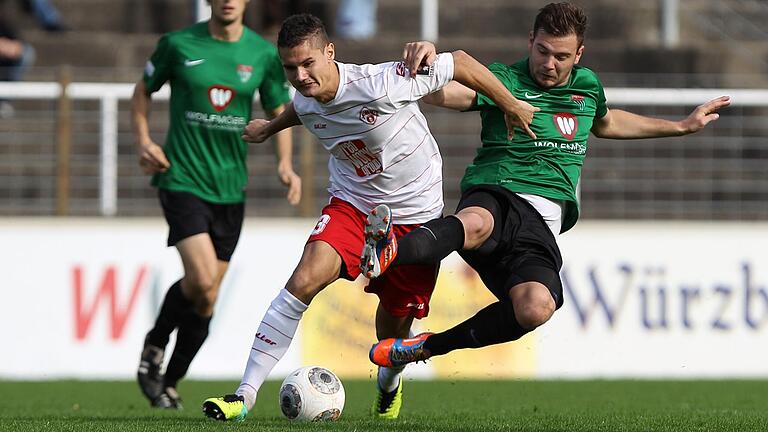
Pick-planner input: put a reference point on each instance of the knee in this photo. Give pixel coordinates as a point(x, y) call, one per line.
point(533, 304)
point(533, 314)
point(205, 302)
point(303, 286)
point(531, 318)
point(201, 289)
point(477, 228)
point(199, 283)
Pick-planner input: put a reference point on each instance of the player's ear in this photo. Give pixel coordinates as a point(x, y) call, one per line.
point(579, 52)
point(330, 51)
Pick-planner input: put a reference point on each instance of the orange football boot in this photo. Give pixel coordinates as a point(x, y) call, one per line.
point(399, 352)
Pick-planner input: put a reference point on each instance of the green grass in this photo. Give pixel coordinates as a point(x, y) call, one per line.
point(613, 406)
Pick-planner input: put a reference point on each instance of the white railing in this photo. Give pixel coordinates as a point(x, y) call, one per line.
point(430, 16)
point(108, 94)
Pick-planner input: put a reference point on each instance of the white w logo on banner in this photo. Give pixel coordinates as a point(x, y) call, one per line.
point(567, 124)
point(220, 97)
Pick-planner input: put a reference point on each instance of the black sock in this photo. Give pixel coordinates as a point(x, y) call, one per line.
point(494, 324)
point(193, 330)
point(431, 242)
point(175, 305)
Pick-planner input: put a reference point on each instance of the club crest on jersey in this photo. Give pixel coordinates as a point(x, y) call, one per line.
point(400, 69)
point(220, 97)
point(567, 124)
point(368, 115)
point(244, 72)
point(579, 100)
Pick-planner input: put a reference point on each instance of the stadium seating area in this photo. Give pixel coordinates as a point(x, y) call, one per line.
point(623, 37)
point(717, 174)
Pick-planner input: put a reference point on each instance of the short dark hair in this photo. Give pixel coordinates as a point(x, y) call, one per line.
point(561, 19)
point(299, 28)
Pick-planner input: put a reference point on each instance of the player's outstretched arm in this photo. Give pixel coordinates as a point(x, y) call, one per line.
point(619, 124)
point(453, 96)
point(151, 156)
point(473, 75)
point(284, 153)
point(258, 130)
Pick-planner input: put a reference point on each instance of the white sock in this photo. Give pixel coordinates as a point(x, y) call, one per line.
point(275, 333)
point(389, 378)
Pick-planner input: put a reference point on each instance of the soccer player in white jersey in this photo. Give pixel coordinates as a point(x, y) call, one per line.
point(367, 117)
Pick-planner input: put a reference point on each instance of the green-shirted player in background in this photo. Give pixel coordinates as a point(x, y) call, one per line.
point(214, 68)
point(518, 194)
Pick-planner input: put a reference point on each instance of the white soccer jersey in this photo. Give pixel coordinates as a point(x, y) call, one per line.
point(381, 148)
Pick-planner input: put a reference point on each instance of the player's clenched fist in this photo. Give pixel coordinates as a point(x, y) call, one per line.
point(256, 131)
point(152, 159)
point(419, 53)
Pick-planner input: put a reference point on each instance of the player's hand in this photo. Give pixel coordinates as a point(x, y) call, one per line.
point(290, 179)
point(152, 158)
point(256, 131)
point(705, 113)
point(420, 53)
point(521, 117)
point(11, 48)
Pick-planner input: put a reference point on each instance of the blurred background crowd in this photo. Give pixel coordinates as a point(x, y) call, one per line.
point(712, 44)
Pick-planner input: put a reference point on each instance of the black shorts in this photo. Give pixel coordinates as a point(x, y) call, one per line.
point(187, 215)
point(521, 247)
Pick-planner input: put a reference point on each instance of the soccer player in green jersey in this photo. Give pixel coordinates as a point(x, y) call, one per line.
point(518, 194)
point(214, 69)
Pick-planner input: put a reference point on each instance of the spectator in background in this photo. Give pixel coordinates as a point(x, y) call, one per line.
point(356, 19)
point(15, 57)
point(45, 13)
point(15, 54)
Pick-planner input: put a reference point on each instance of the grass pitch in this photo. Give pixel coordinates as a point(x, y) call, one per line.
point(613, 406)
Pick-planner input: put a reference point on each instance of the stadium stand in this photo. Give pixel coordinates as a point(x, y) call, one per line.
point(717, 174)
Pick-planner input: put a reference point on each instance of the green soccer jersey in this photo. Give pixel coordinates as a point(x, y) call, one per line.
point(550, 165)
point(212, 87)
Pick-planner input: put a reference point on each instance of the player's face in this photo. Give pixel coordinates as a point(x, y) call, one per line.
point(552, 58)
point(311, 69)
point(228, 11)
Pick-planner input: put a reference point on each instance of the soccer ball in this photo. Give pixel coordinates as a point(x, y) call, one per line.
point(312, 393)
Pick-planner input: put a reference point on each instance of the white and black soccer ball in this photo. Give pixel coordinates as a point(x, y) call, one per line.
point(312, 393)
